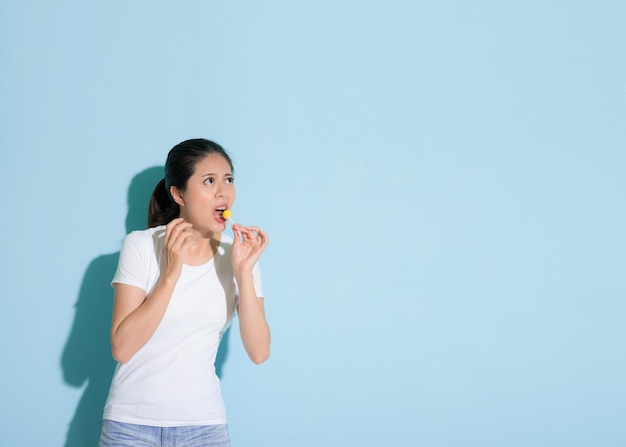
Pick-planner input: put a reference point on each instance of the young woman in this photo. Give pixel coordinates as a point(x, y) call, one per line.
point(177, 286)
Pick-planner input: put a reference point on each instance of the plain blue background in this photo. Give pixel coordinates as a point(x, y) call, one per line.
point(442, 182)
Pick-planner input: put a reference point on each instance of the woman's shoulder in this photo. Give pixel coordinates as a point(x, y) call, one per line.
point(226, 244)
point(145, 237)
point(226, 239)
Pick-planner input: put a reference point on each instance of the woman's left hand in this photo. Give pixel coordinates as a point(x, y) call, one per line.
point(248, 245)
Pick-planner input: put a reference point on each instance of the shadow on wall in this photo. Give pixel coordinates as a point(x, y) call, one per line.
point(87, 359)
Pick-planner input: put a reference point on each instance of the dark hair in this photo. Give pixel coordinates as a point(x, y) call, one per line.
point(180, 165)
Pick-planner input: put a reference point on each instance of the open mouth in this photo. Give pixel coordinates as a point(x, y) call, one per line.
point(219, 212)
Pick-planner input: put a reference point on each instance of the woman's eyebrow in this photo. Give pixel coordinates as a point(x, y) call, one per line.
point(228, 174)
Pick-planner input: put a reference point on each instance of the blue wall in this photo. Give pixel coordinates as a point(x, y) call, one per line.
point(442, 182)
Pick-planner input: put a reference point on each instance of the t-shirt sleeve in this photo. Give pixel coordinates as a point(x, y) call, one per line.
point(132, 268)
point(258, 282)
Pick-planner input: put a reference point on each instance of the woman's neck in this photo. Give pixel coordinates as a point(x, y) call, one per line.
point(203, 250)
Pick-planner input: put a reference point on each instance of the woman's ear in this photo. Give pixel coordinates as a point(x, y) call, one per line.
point(177, 195)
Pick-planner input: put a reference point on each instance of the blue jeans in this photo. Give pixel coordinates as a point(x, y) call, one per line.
point(120, 434)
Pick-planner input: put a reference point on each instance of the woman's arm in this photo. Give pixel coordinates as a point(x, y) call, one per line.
point(253, 327)
point(136, 316)
point(255, 332)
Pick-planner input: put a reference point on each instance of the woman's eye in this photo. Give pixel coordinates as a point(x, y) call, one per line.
point(230, 180)
point(209, 181)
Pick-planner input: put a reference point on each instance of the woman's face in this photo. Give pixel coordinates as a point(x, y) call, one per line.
point(210, 190)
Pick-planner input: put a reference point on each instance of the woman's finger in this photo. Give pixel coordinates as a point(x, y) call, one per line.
point(177, 230)
point(237, 235)
point(258, 235)
point(168, 229)
point(183, 240)
point(263, 236)
point(249, 232)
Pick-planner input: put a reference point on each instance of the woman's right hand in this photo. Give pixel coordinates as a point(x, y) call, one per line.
point(179, 237)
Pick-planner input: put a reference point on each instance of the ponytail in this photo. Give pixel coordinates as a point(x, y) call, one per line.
point(162, 209)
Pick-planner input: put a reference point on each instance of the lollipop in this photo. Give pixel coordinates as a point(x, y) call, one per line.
point(226, 214)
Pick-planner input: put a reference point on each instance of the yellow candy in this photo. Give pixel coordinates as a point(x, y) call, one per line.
point(226, 214)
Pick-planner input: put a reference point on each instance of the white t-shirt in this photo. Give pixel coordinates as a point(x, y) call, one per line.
point(171, 380)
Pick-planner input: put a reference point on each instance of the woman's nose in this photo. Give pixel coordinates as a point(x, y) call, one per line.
point(220, 191)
